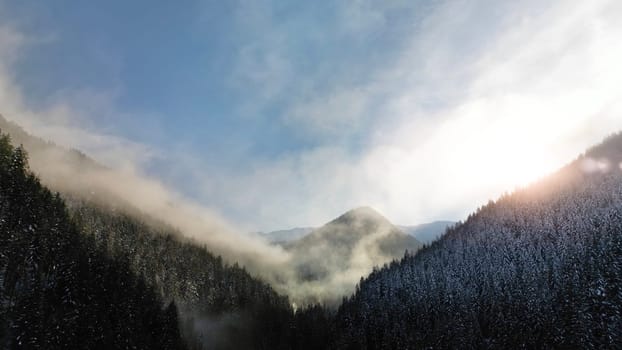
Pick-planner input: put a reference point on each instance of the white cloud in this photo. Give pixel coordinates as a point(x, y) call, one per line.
point(64, 123)
point(484, 97)
point(458, 123)
point(545, 89)
point(338, 113)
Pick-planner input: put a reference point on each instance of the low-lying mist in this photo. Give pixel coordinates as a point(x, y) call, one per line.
point(74, 174)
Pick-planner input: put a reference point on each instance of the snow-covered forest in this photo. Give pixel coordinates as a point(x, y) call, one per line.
point(76, 274)
point(539, 268)
point(58, 288)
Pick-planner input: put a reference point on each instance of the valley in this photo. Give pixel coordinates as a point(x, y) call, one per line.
point(535, 238)
point(310, 175)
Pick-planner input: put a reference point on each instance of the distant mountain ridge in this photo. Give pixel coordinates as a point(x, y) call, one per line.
point(283, 236)
point(425, 233)
point(428, 232)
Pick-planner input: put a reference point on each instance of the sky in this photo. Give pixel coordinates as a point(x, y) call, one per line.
point(277, 114)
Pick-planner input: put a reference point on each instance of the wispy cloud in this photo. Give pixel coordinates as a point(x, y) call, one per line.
point(123, 177)
point(482, 98)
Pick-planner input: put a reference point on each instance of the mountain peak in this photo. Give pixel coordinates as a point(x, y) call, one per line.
point(361, 214)
point(349, 245)
point(363, 210)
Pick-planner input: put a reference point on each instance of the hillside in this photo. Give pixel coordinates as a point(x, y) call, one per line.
point(205, 288)
point(60, 290)
point(540, 268)
point(348, 247)
point(358, 226)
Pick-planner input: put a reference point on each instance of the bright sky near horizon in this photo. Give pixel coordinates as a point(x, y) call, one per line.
point(278, 114)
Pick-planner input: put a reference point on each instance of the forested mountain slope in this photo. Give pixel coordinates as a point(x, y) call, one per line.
point(339, 253)
point(221, 306)
point(359, 231)
point(58, 289)
point(540, 268)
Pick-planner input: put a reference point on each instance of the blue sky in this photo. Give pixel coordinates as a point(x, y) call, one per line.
point(209, 73)
point(278, 114)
